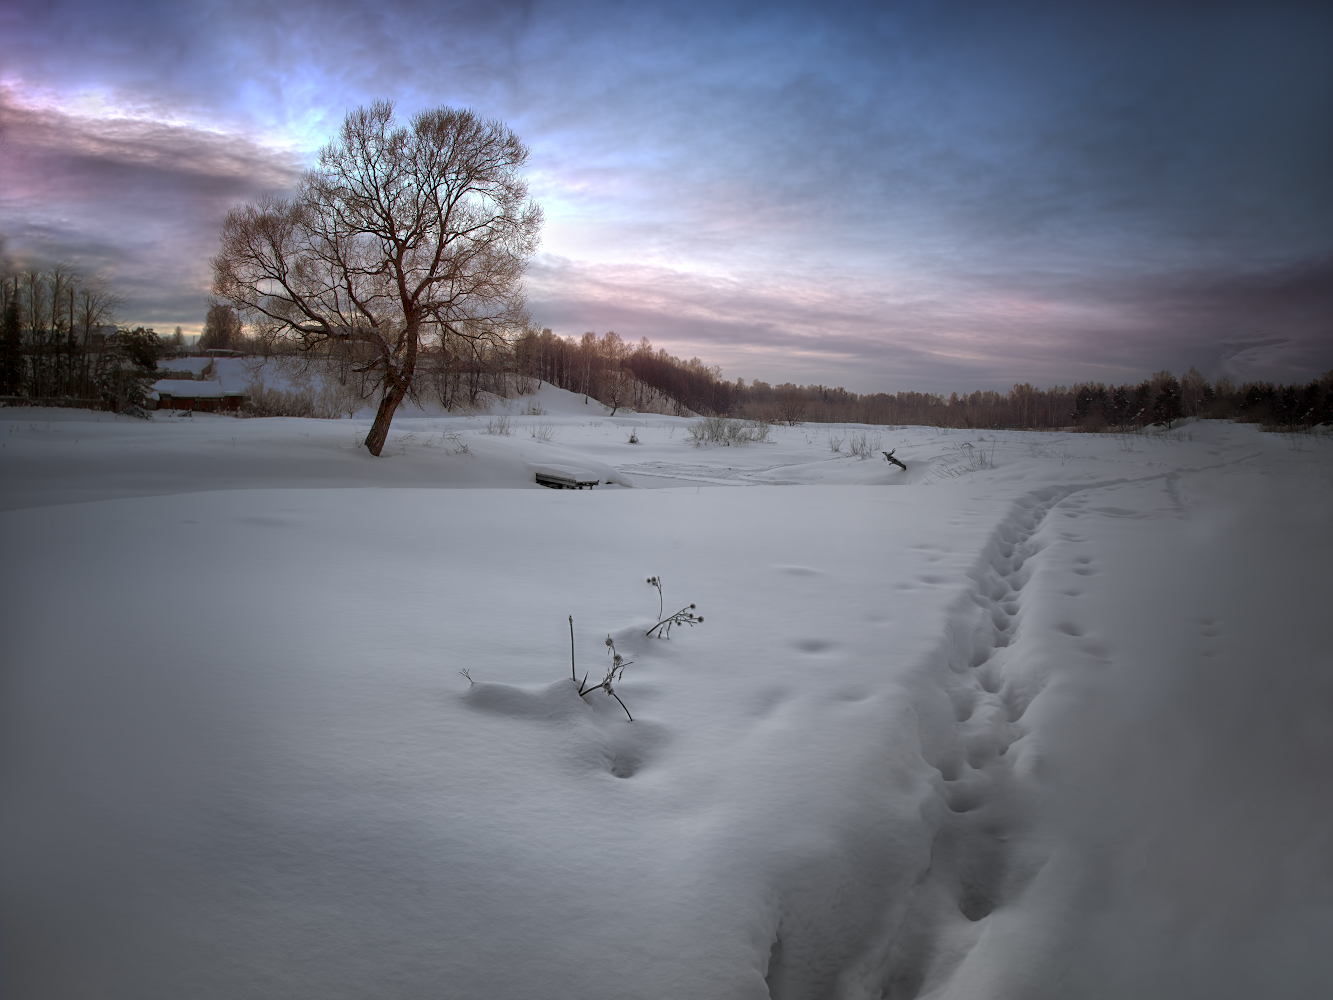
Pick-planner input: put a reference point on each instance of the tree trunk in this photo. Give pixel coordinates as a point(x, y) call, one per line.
point(379, 430)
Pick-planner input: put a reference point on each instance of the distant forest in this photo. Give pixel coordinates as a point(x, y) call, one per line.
point(59, 347)
point(601, 367)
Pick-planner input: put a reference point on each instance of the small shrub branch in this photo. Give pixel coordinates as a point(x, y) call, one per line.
point(617, 672)
point(685, 616)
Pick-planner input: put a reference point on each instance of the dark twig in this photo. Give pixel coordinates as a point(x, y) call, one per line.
point(617, 672)
point(685, 616)
point(622, 704)
point(889, 456)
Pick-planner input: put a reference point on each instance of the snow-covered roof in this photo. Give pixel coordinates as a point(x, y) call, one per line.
point(190, 389)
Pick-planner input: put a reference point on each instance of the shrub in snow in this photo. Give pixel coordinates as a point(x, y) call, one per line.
point(617, 671)
point(633, 437)
point(723, 431)
point(262, 401)
point(862, 446)
point(966, 458)
point(500, 425)
point(685, 616)
point(451, 443)
point(308, 387)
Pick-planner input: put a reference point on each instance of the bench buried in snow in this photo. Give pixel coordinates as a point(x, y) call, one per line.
point(564, 477)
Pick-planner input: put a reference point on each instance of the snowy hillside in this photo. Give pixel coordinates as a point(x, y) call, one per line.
point(1043, 716)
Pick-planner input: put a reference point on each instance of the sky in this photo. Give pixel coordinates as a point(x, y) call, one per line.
point(930, 196)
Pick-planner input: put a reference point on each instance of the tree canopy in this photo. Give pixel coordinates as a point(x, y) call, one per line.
point(399, 234)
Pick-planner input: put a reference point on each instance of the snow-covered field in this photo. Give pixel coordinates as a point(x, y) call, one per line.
point(1044, 716)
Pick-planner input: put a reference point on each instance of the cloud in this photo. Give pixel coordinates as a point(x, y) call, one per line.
point(136, 199)
point(1272, 323)
point(978, 331)
point(932, 195)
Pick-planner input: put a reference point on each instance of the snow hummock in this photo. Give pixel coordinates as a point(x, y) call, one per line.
point(1055, 724)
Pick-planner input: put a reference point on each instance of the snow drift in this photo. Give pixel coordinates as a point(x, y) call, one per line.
point(1058, 727)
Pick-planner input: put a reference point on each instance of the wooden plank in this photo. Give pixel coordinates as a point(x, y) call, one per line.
point(558, 481)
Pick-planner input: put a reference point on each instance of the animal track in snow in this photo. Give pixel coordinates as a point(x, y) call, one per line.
point(1209, 629)
point(983, 812)
point(814, 645)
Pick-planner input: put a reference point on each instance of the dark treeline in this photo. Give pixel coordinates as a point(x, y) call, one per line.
point(608, 369)
point(53, 329)
point(455, 370)
point(57, 341)
point(59, 344)
point(1160, 400)
point(617, 373)
point(1164, 398)
point(459, 371)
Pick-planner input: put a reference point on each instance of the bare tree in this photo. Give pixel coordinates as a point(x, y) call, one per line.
point(617, 388)
point(95, 308)
point(791, 403)
point(1194, 392)
point(398, 235)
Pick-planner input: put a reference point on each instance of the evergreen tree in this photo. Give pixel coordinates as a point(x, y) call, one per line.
point(11, 350)
point(1165, 389)
point(125, 368)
